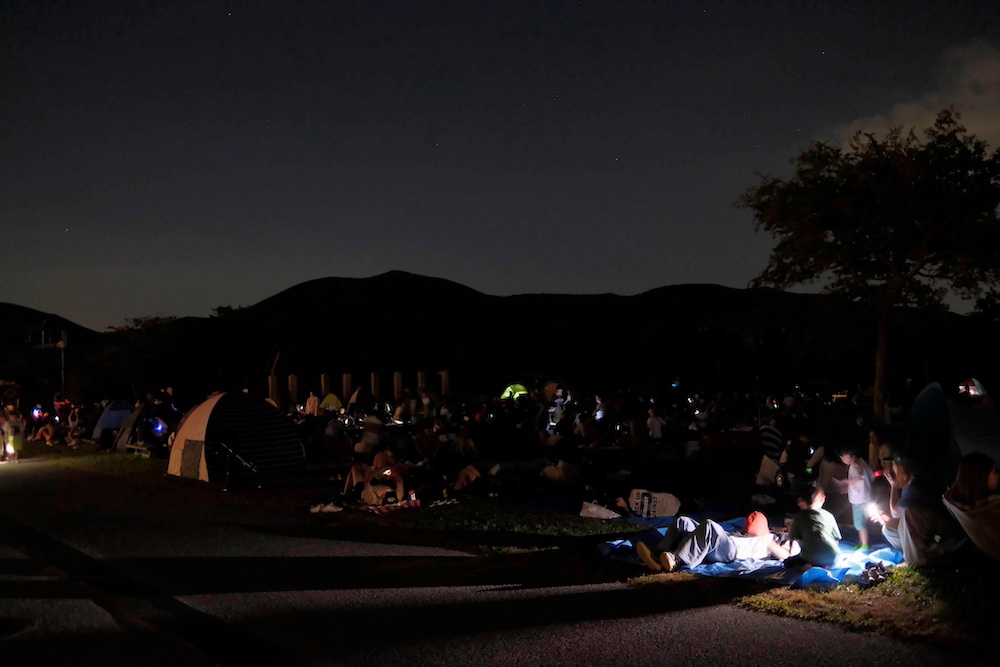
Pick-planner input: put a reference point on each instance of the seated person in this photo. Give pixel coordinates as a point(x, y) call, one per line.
point(560, 472)
point(47, 433)
point(372, 435)
point(926, 530)
point(974, 502)
point(890, 524)
point(815, 530)
point(689, 543)
point(428, 443)
point(457, 460)
point(383, 472)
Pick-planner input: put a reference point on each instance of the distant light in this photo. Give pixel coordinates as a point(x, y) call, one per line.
point(159, 426)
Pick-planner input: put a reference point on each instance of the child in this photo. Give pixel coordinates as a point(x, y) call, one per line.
point(815, 530)
point(12, 440)
point(859, 492)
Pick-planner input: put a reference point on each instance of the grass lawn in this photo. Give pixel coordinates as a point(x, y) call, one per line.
point(953, 603)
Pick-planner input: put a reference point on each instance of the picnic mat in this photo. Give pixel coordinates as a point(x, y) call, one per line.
point(850, 563)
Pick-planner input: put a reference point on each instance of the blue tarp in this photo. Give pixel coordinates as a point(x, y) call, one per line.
point(850, 563)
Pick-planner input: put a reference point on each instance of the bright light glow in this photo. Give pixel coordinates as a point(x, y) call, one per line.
point(159, 426)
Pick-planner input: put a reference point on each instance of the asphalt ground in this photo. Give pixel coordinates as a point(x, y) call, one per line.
point(103, 571)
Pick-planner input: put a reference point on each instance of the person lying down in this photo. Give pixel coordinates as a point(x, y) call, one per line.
point(689, 543)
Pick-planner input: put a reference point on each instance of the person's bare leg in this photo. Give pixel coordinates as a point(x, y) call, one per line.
point(360, 472)
point(466, 476)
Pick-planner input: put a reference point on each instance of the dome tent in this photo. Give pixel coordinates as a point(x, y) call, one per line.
point(331, 403)
point(113, 416)
point(237, 430)
point(127, 436)
point(513, 392)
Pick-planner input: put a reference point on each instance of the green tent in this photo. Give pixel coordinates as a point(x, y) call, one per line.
point(513, 392)
point(331, 403)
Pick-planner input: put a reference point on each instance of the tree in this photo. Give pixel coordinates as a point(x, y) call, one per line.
point(890, 222)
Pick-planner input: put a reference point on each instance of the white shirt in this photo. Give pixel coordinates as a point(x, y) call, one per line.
point(751, 546)
point(859, 483)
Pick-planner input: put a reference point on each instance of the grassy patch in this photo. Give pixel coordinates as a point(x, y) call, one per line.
point(503, 527)
point(491, 515)
point(89, 458)
point(909, 605)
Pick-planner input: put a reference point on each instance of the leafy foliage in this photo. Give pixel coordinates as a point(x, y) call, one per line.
point(891, 221)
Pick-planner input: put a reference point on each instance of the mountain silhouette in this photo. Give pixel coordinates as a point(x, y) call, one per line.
point(401, 322)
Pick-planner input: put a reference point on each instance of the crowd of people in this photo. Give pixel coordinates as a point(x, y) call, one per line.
point(813, 466)
point(900, 496)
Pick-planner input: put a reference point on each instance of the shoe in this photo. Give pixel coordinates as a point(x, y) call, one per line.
point(862, 547)
point(646, 556)
point(331, 507)
point(668, 561)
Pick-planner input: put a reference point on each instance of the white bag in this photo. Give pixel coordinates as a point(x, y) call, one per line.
point(595, 511)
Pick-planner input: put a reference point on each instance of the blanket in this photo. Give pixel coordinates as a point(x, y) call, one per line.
point(849, 563)
point(384, 509)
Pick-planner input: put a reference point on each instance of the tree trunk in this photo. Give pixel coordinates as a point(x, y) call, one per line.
point(881, 346)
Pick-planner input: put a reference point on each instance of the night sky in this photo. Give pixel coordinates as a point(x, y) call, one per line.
point(162, 158)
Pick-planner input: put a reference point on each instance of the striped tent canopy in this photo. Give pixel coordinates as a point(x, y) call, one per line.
point(239, 430)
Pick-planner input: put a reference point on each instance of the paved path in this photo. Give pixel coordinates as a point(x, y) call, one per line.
point(96, 571)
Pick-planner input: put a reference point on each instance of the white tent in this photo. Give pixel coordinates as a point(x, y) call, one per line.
point(243, 432)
